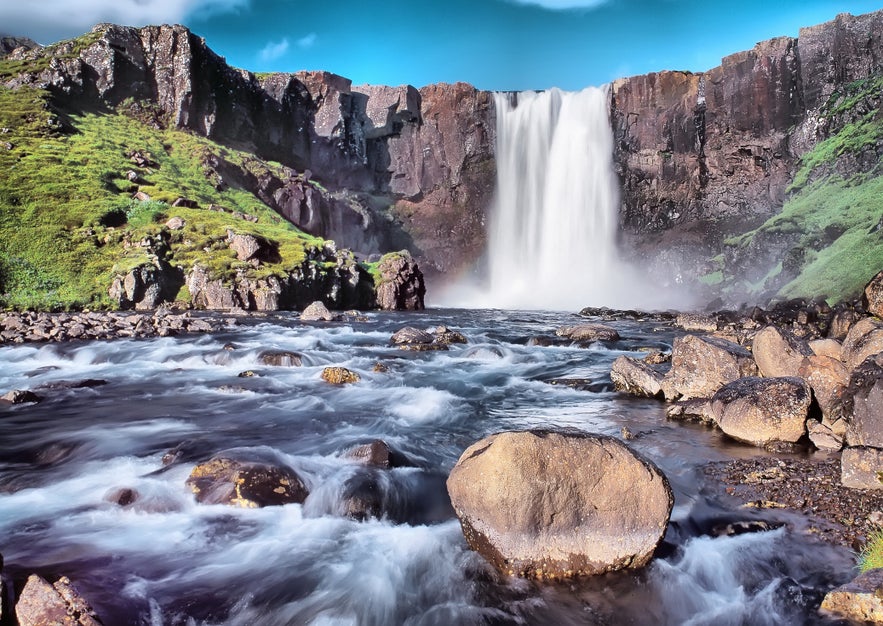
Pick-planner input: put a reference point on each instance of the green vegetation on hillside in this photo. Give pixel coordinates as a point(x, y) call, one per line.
point(68, 220)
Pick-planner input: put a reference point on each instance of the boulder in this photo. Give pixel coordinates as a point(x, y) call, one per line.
point(279, 358)
point(865, 338)
point(362, 497)
point(21, 396)
point(828, 378)
point(409, 336)
point(872, 298)
point(374, 454)
point(696, 322)
point(763, 411)
point(316, 312)
point(702, 365)
point(823, 436)
point(42, 604)
point(863, 404)
point(588, 332)
point(636, 377)
point(445, 336)
point(862, 468)
point(340, 376)
point(827, 347)
point(695, 410)
point(777, 353)
point(246, 480)
point(401, 286)
point(841, 322)
point(859, 601)
point(246, 246)
point(175, 223)
point(559, 504)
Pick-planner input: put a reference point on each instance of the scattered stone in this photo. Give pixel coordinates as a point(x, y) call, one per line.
point(21, 396)
point(823, 436)
point(339, 376)
point(864, 339)
point(702, 365)
point(761, 411)
point(374, 454)
point(588, 332)
point(175, 223)
point(695, 410)
point(636, 377)
point(777, 353)
point(123, 496)
point(827, 347)
point(317, 312)
point(410, 335)
point(655, 357)
point(247, 374)
point(860, 600)
point(553, 505)
point(862, 468)
point(380, 368)
point(245, 482)
point(446, 336)
point(42, 604)
point(277, 358)
point(141, 196)
point(697, 322)
point(872, 297)
point(185, 203)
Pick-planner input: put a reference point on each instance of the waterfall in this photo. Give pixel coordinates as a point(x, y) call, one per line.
point(553, 229)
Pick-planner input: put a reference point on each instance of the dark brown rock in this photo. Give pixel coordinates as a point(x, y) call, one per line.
point(401, 285)
point(763, 411)
point(277, 358)
point(446, 336)
point(21, 396)
point(362, 497)
point(588, 332)
point(42, 604)
point(410, 335)
point(553, 505)
point(374, 454)
point(245, 481)
point(695, 410)
point(123, 496)
point(702, 365)
point(859, 601)
point(636, 377)
point(863, 404)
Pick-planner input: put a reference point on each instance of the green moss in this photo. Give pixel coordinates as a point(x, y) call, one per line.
point(871, 556)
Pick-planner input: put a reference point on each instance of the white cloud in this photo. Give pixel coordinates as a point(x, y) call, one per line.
point(51, 20)
point(274, 50)
point(561, 5)
point(307, 41)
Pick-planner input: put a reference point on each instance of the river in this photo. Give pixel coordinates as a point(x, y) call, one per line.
point(166, 560)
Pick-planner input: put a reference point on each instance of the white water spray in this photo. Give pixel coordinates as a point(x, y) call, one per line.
point(552, 237)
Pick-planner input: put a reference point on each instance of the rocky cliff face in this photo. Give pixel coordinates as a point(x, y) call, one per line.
point(403, 167)
point(725, 143)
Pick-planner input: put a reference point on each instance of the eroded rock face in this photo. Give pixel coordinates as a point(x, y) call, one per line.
point(544, 504)
point(401, 285)
point(761, 411)
point(702, 365)
point(246, 480)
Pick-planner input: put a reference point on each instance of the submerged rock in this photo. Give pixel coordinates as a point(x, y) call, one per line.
point(277, 358)
point(763, 411)
point(588, 332)
point(551, 505)
point(410, 335)
point(860, 600)
point(42, 604)
point(245, 481)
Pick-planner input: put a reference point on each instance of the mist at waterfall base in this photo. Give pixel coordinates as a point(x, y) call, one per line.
point(166, 560)
point(552, 236)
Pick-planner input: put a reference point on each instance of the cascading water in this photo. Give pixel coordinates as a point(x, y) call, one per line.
point(553, 231)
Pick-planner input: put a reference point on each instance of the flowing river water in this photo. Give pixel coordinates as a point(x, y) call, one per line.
point(167, 560)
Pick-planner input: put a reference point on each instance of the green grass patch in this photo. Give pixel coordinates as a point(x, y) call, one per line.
point(871, 556)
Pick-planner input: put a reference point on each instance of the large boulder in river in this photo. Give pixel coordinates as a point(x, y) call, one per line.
point(863, 404)
point(858, 601)
point(636, 377)
point(702, 365)
point(42, 604)
point(762, 411)
point(864, 339)
point(401, 286)
point(316, 312)
point(777, 353)
point(559, 504)
point(588, 332)
point(872, 297)
point(246, 479)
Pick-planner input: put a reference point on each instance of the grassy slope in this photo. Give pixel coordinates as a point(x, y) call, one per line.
point(61, 194)
point(824, 205)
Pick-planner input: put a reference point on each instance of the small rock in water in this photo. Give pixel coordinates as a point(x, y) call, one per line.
point(21, 396)
point(380, 368)
point(247, 374)
point(410, 335)
point(123, 496)
point(626, 433)
point(339, 376)
point(317, 312)
point(588, 332)
point(245, 482)
point(375, 454)
point(280, 359)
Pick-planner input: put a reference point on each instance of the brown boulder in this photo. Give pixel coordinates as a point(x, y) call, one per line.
point(872, 297)
point(828, 378)
point(702, 365)
point(410, 336)
point(841, 322)
point(21, 396)
point(823, 436)
point(316, 312)
point(42, 604)
point(862, 468)
point(277, 358)
point(588, 332)
point(863, 404)
point(695, 410)
point(551, 505)
point(373, 454)
point(762, 411)
point(636, 377)
point(865, 338)
point(696, 322)
point(860, 600)
point(827, 347)
point(339, 376)
point(246, 481)
point(777, 353)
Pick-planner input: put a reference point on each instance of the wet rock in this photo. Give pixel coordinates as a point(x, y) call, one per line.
point(655, 357)
point(579, 384)
point(42, 604)
point(340, 376)
point(777, 353)
point(872, 297)
point(743, 527)
point(864, 339)
point(362, 497)
point(761, 411)
point(702, 365)
point(695, 410)
point(316, 312)
point(697, 322)
point(823, 436)
point(860, 600)
point(124, 496)
point(247, 374)
point(588, 332)
point(636, 377)
point(863, 404)
point(374, 454)
point(861, 467)
point(86, 383)
point(380, 368)
point(446, 336)
point(276, 358)
point(401, 285)
point(21, 396)
point(551, 505)
point(246, 481)
point(411, 336)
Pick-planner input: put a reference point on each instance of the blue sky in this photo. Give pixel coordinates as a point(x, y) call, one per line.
point(493, 44)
